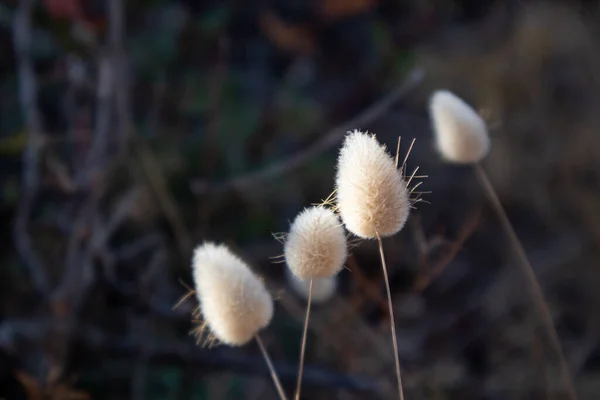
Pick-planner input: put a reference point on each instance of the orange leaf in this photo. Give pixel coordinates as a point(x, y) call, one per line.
point(332, 10)
point(31, 386)
point(294, 39)
point(51, 391)
point(68, 9)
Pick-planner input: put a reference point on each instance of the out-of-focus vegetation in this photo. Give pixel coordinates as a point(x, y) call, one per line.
point(129, 131)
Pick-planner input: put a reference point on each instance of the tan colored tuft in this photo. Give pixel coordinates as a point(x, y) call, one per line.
point(233, 301)
point(461, 134)
point(323, 288)
point(315, 247)
point(371, 194)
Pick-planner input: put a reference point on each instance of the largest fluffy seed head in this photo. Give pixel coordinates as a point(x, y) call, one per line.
point(234, 302)
point(371, 194)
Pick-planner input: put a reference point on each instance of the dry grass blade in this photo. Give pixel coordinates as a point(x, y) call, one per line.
point(527, 269)
point(274, 376)
point(392, 321)
point(303, 346)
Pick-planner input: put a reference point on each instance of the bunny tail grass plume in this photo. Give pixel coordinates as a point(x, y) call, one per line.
point(323, 288)
point(373, 202)
point(372, 197)
point(462, 138)
point(461, 134)
point(315, 248)
point(233, 300)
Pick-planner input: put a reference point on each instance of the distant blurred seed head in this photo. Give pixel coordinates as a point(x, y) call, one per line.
point(461, 134)
point(316, 246)
point(371, 194)
point(323, 288)
point(234, 302)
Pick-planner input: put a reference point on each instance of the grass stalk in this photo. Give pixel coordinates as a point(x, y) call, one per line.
point(392, 321)
point(303, 345)
point(274, 376)
point(527, 270)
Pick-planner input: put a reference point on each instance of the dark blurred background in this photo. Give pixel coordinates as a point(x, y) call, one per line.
point(132, 130)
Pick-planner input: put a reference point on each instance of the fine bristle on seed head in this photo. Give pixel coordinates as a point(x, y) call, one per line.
point(233, 301)
point(316, 246)
point(372, 197)
point(460, 132)
point(323, 289)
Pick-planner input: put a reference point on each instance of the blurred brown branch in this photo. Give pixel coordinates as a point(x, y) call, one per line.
point(30, 180)
point(329, 140)
point(426, 277)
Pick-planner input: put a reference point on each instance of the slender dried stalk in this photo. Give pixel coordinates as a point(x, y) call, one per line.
point(303, 346)
point(392, 321)
point(276, 381)
point(527, 269)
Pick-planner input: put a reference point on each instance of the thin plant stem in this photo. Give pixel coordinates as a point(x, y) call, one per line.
point(392, 321)
point(303, 346)
point(276, 381)
point(527, 269)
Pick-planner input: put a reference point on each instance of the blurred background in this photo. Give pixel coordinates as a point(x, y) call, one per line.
point(131, 131)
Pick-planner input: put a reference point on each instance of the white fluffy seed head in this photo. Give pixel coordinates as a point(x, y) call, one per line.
point(234, 302)
point(316, 246)
point(323, 288)
point(460, 132)
point(371, 194)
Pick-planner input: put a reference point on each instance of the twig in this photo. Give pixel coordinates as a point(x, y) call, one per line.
point(303, 345)
point(527, 269)
point(121, 211)
point(104, 97)
point(121, 94)
point(392, 320)
point(466, 231)
point(72, 275)
point(329, 140)
point(165, 199)
point(133, 249)
point(30, 178)
point(146, 159)
point(76, 274)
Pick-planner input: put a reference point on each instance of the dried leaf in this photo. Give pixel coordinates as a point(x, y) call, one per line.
point(332, 10)
point(52, 391)
point(69, 9)
point(31, 386)
point(292, 38)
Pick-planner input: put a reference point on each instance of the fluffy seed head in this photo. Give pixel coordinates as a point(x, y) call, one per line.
point(234, 302)
point(323, 288)
point(371, 194)
point(461, 134)
point(315, 247)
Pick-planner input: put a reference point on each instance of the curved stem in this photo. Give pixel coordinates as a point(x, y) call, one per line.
point(276, 381)
point(527, 269)
point(392, 321)
point(303, 346)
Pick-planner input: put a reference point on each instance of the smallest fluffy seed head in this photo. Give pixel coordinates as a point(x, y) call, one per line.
point(461, 134)
point(234, 302)
point(315, 247)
